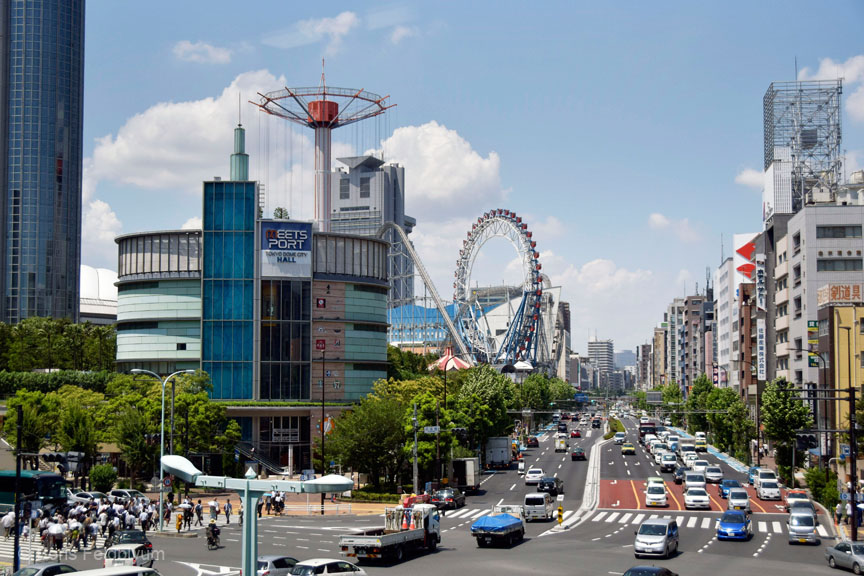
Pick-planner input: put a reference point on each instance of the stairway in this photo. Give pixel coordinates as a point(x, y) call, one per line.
point(245, 448)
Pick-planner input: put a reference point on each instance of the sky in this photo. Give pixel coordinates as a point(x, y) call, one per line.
point(628, 135)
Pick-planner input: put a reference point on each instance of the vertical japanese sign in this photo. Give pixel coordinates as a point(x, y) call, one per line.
point(813, 343)
point(761, 284)
point(761, 360)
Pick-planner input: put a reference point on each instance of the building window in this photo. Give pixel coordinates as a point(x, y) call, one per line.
point(365, 187)
point(838, 265)
point(344, 189)
point(797, 307)
point(181, 346)
point(838, 231)
point(796, 275)
point(796, 243)
point(798, 348)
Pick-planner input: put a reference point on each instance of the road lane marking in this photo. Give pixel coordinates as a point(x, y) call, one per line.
point(626, 517)
point(776, 527)
point(612, 516)
point(499, 502)
point(599, 516)
point(567, 514)
point(752, 501)
point(513, 486)
point(456, 514)
point(635, 494)
point(763, 526)
point(706, 522)
point(822, 532)
point(677, 503)
point(303, 547)
point(691, 522)
point(628, 472)
point(715, 502)
point(555, 475)
point(638, 519)
point(559, 466)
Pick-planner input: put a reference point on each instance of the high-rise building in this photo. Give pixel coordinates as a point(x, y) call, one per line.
point(602, 355)
point(658, 359)
point(643, 366)
point(41, 109)
point(724, 311)
point(365, 196)
point(674, 318)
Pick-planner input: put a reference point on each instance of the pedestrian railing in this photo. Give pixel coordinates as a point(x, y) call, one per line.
point(316, 508)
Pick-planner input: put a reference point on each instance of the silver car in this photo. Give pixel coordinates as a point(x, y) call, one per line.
point(738, 499)
point(802, 528)
point(847, 555)
point(275, 565)
point(656, 537)
point(714, 474)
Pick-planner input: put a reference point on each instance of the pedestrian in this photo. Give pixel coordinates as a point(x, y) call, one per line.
point(838, 513)
point(227, 508)
point(260, 507)
point(214, 509)
point(7, 522)
point(268, 504)
point(848, 511)
point(240, 512)
point(199, 514)
point(179, 521)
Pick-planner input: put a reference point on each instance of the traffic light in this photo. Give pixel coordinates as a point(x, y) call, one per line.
point(806, 441)
point(75, 460)
point(58, 458)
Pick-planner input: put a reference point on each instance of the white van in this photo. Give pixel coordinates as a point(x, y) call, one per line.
point(120, 571)
point(539, 505)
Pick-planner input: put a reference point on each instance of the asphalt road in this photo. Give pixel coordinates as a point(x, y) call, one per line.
point(598, 543)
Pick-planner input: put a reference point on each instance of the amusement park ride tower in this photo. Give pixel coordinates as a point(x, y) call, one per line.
point(323, 109)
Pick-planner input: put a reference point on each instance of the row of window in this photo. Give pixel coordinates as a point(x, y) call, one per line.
point(345, 188)
point(160, 253)
point(853, 231)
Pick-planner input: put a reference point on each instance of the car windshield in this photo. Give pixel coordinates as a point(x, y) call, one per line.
point(733, 517)
point(858, 549)
point(670, 457)
point(802, 504)
point(770, 485)
point(730, 483)
point(691, 478)
point(656, 489)
point(28, 571)
point(714, 470)
point(767, 475)
point(535, 501)
point(696, 492)
point(303, 571)
point(642, 571)
point(801, 520)
point(738, 494)
point(652, 529)
point(535, 472)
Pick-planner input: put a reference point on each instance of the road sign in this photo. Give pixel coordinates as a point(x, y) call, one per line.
point(431, 429)
point(320, 344)
point(844, 450)
point(167, 482)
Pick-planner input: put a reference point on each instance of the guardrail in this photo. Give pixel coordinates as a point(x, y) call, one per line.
point(316, 508)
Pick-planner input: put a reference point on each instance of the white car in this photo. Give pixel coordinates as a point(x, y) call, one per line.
point(768, 490)
point(762, 475)
point(658, 454)
point(696, 497)
point(620, 437)
point(128, 555)
point(714, 474)
point(325, 566)
point(694, 480)
point(533, 476)
point(668, 462)
point(667, 422)
point(689, 458)
point(700, 466)
point(738, 499)
point(655, 495)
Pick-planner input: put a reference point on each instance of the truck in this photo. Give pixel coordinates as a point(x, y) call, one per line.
point(465, 473)
point(505, 525)
point(498, 452)
point(560, 444)
point(408, 527)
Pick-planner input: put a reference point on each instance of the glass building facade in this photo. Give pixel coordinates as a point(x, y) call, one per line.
point(41, 109)
point(228, 288)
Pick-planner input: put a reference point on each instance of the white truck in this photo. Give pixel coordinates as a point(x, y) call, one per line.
point(405, 529)
point(505, 525)
point(465, 474)
point(498, 452)
point(560, 444)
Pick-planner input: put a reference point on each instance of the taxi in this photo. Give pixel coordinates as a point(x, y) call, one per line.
point(628, 448)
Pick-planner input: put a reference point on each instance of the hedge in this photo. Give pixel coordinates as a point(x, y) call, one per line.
point(11, 382)
point(363, 496)
point(614, 426)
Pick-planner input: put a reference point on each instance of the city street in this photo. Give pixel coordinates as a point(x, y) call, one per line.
point(601, 541)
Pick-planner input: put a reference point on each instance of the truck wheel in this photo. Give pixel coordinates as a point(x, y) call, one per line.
point(433, 544)
point(521, 535)
point(481, 543)
point(399, 554)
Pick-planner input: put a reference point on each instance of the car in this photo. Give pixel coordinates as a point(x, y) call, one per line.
point(714, 474)
point(694, 480)
point(275, 565)
point(596, 423)
point(655, 480)
point(700, 445)
point(533, 442)
point(804, 507)
point(689, 458)
point(128, 555)
point(577, 453)
point(668, 462)
point(658, 455)
point(649, 571)
point(696, 498)
point(656, 537)
point(132, 537)
point(448, 499)
point(575, 434)
point(628, 448)
point(751, 474)
point(124, 496)
point(655, 495)
point(533, 476)
point(738, 499)
point(700, 466)
point(679, 473)
point(801, 529)
point(734, 526)
point(795, 495)
point(86, 497)
point(46, 568)
point(762, 475)
point(725, 485)
point(552, 485)
point(768, 490)
point(620, 437)
point(324, 566)
point(849, 555)
point(701, 435)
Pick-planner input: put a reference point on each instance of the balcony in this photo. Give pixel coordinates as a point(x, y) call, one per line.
point(781, 323)
point(781, 296)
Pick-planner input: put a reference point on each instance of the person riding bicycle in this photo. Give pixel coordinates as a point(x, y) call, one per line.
point(212, 532)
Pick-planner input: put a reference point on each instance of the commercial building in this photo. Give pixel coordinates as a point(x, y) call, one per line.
point(41, 108)
point(98, 304)
point(658, 356)
point(602, 356)
point(725, 310)
point(674, 319)
point(644, 356)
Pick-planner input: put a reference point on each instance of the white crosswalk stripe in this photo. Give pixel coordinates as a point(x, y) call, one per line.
point(567, 514)
point(612, 517)
point(478, 513)
point(598, 517)
point(776, 527)
point(458, 513)
point(638, 518)
point(821, 531)
point(691, 522)
point(763, 526)
point(626, 517)
point(7, 549)
point(706, 522)
point(680, 520)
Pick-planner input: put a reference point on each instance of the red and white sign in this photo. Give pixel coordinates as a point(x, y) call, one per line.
point(320, 344)
point(839, 294)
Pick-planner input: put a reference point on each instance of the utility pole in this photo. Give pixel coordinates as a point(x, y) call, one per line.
point(437, 443)
point(16, 561)
point(414, 421)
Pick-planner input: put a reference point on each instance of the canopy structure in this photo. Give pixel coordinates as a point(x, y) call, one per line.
point(449, 361)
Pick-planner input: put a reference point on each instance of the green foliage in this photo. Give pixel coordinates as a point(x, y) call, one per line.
point(729, 422)
point(697, 404)
point(672, 399)
point(11, 382)
point(77, 431)
point(481, 406)
point(426, 447)
point(40, 413)
point(225, 443)
point(640, 399)
point(369, 496)
point(103, 477)
point(406, 365)
point(614, 426)
point(131, 426)
point(281, 213)
point(42, 343)
point(783, 412)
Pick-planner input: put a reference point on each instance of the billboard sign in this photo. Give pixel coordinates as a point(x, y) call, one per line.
point(744, 246)
point(761, 286)
point(831, 294)
point(761, 359)
point(813, 343)
point(286, 249)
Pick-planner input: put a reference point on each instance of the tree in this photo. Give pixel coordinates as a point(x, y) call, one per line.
point(132, 426)
point(783, 413)
point(731, 426)
point(482, 402)
point(103, 477)
point(697, 404)
point(225, 442)
point(641, 400)
point(77, 433)
point(427, 407)
point(406, 365)
point(672, 402)
point(281, 214)
point(40, 412)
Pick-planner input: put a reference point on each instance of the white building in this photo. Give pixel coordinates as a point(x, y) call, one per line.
point(725, 310)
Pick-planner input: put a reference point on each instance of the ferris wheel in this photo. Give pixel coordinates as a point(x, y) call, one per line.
point(520, 340)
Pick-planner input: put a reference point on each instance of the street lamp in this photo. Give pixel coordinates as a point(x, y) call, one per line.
point(162, 428)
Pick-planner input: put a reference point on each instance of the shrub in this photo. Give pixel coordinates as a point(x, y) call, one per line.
point(614, 426)
point(103, 477)
point(822, 488)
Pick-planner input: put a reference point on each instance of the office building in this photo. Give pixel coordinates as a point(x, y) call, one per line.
point(602, 356)
point(41, 108)
point(658, 357)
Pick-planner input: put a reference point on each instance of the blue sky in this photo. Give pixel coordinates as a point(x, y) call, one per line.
point(625, 133)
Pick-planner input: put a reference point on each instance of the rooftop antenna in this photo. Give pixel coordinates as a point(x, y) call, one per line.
point(796, 68)
point(239, 110)
point(722, 249)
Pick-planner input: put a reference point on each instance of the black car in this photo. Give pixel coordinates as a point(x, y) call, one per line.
point(132, 537)
point(552, 485)
point(679, 473)
point(533, 442)
point(649, 571)
point(577, 454)
point(596, 423)
point(448, 499)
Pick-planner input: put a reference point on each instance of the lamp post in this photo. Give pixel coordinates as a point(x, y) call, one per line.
point(853, 448)
point(162, 429)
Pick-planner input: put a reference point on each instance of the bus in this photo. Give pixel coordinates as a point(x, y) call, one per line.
point(646, 428)
point(40, 488)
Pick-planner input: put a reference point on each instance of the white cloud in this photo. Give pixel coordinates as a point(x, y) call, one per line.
point(750, 178)
point(101, 226)
point(313, 31)
point(201, 52)
point(684, 279)
point(194, 223)
point(852, 72)
point(446, 173)
point(681, 228)
point(401, 32)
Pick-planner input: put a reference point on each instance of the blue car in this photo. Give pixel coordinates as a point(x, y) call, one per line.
point(734, 525)
point(727, 485)
point(751, 473)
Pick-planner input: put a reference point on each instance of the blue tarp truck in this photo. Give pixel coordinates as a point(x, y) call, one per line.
point(506, 525)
